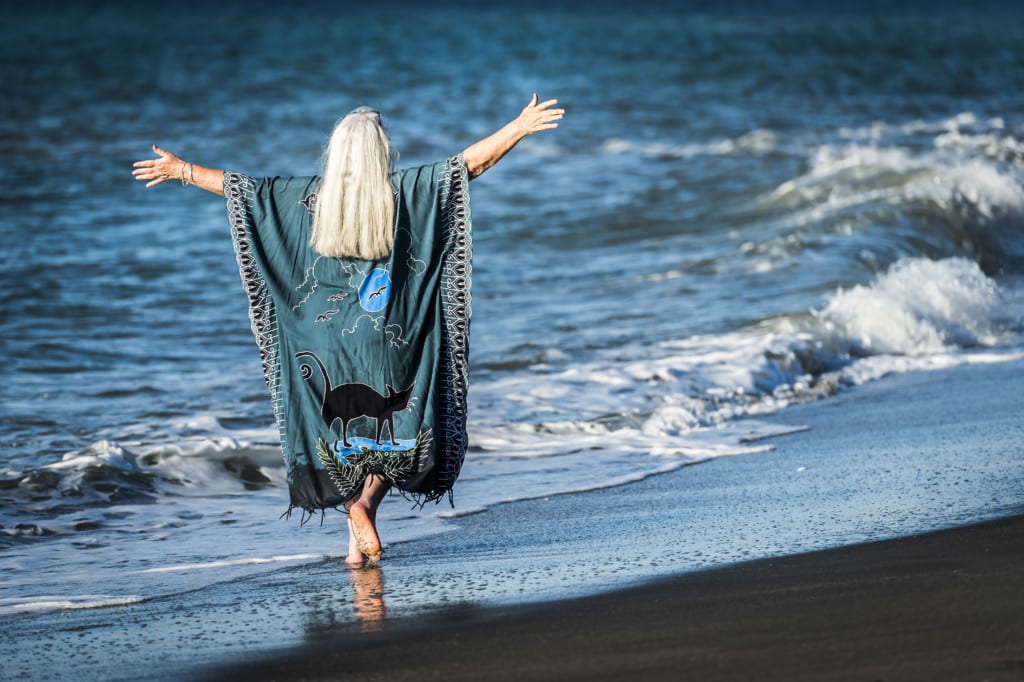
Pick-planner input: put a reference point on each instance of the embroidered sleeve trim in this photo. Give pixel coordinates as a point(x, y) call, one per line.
point(456, 303)
point(238, 192)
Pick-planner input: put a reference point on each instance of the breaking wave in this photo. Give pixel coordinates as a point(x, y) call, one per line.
point(920, 314)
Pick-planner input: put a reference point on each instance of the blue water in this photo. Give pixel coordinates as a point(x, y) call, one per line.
point(742, 210)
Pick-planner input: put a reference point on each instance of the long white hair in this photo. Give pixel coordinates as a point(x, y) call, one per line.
point(355, 206)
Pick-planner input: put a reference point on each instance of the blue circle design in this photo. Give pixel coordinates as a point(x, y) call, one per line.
point(375, 291)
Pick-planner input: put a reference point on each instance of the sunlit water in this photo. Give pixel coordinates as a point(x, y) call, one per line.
point(741, 211)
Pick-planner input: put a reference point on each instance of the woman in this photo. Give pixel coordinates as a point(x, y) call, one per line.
point(359, 296)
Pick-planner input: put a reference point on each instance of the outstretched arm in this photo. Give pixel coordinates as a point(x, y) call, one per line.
point(169, 167)
point(488, 151)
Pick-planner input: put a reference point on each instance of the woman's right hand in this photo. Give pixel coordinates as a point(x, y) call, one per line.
point(166, 167)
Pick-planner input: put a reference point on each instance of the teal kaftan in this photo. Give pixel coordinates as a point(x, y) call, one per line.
point(365, 361)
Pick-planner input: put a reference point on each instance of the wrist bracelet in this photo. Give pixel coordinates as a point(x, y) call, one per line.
point(181, 174)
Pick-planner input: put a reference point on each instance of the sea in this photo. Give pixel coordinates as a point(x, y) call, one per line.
point(747, 206)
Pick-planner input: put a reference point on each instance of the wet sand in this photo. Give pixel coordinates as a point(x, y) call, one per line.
point(943, 606)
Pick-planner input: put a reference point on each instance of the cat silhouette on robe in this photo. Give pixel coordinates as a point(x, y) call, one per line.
point(351, 401)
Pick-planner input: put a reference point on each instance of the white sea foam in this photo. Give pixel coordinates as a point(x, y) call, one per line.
point(100, 453)
point(36, 604)
point(992, 193)
point(225, 563)
point(209, 465)
point(881, 130)
point(754, 142)
point(918, 307)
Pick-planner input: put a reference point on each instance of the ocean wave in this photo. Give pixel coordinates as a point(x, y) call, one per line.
point(917, 307)
point(920, 314)
point(965, 125)
point(108, 474)
point(841, 176)
point(941, 189)
point(689, 400)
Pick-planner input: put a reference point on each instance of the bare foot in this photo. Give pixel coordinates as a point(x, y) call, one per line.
point(355, 558)
point(363, 530)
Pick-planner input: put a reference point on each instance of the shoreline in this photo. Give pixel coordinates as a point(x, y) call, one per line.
point(897, 458)
point(861, 548)
point(943, 605)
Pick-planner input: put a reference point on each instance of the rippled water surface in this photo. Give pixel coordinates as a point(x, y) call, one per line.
point(741, 210)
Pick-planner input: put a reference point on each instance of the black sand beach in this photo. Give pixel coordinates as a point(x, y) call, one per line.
point(942, 606)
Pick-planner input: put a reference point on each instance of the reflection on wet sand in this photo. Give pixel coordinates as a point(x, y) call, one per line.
point(368, 597)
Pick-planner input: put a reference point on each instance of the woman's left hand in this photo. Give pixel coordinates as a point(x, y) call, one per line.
point(537, 117)
point(166, 167)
